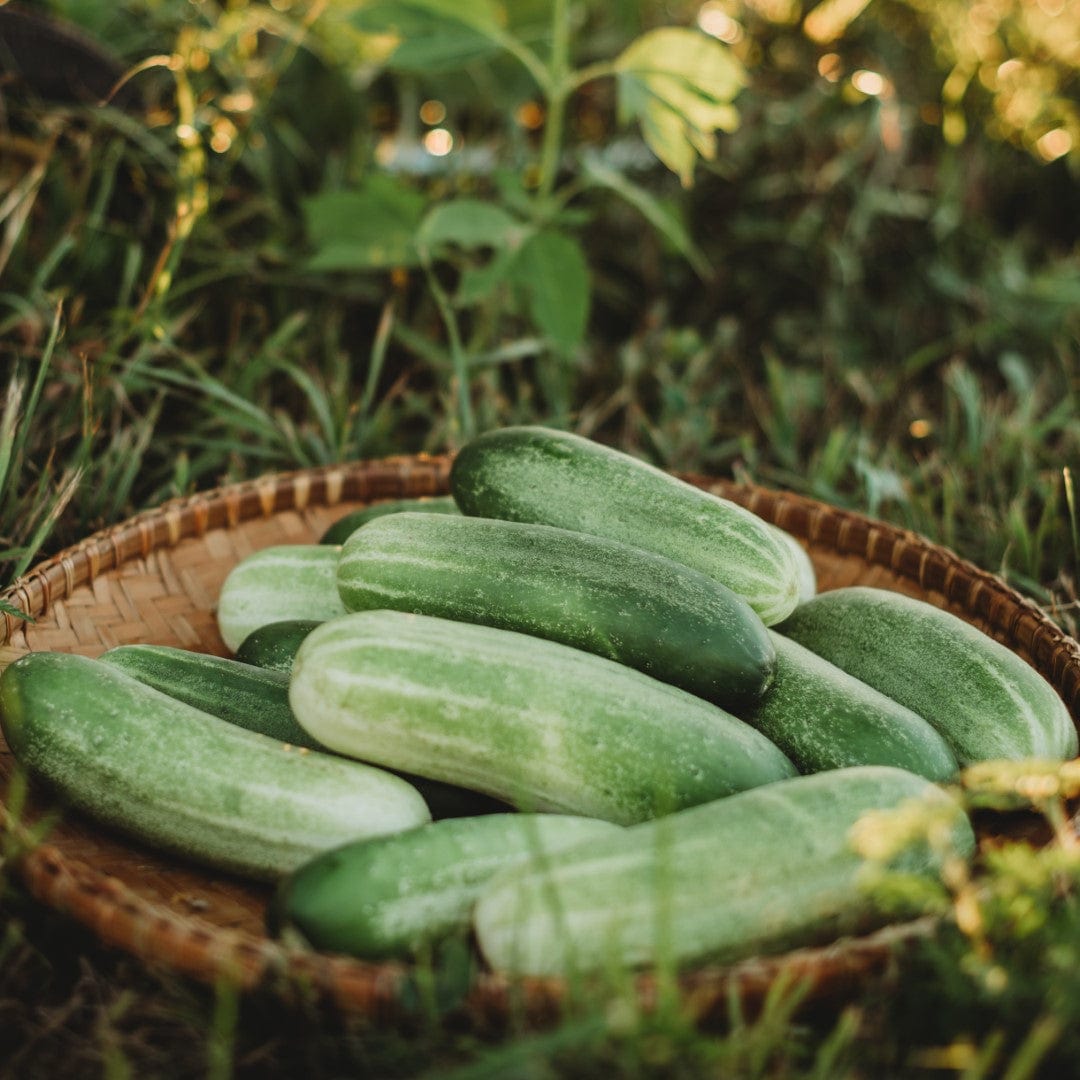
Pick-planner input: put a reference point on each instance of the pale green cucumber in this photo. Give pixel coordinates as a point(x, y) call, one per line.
point(538, 724)
point(344, 527)
point(391, 896)
point(185, 781)
point(823, 718)
point(984, 700)
point(549, 477)
point(761, 872)
point(803, 563)
point(289, 581)
point(600, 595)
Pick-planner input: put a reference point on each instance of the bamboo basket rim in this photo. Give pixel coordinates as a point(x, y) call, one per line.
point(187, 944)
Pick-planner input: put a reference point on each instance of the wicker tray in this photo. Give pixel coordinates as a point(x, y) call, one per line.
point(155, 578)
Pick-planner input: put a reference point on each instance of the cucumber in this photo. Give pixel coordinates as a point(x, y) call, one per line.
point(803, 564)
point(535, 474)
point(761, 872)
point(344, 527)
point(252, 697)
point(185, 781)
point(392, 896)
point(823, 718)
point(274, 645)
point(629, 605)
point(983, 699)
point(289, 581)
point(540, 725)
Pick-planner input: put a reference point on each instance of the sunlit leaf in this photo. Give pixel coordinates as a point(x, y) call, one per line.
point(372, 228)
point(680, 85)
point(469, 223)
point(552, 271)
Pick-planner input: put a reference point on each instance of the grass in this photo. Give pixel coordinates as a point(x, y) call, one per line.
point(887, 327)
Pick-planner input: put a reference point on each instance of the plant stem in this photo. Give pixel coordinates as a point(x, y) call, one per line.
point(558, 90)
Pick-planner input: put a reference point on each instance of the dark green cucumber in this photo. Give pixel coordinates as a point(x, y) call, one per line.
point(287, 581)
point(547, 477)
point(185, 781)
point(378, 899)
point(538, 724)
point(274, 645)
point(344, 527)
point(762, 872)
point(255, 698)
point(621, 602)
point(823, 718)
point(983, 699)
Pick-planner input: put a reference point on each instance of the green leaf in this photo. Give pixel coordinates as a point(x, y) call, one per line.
point(680, 85)
point(477, 282)
point(552, 271)
point(654, 211)
point(373, 228)
point(469, 223)
point(7, 608)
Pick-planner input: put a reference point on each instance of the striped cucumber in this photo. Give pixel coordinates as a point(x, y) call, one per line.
point(344, 527)
point(538, 724)
point(535, 474)
point(185, 781)
point(803, 564)
point(289, 581)
point(274, 645)
point(630, 605)
point(392, 896)
point(759, 873)
point(823, 718)
point(983, 699)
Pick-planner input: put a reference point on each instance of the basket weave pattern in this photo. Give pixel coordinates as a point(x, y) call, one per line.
point(156, 577)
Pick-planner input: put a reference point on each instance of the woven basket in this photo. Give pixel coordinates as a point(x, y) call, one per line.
point(155, 578)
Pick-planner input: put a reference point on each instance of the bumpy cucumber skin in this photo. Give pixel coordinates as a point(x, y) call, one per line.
point(803, 563)
point(288, 581)
point(274, 646)
point(823, 718)
point(984, 700)
point(377, 899)
point(344, 527)
point(629, 605)
point(536, 474)
point(538, 724)
point(251, 697)
point(759, 873)
point(185, 781)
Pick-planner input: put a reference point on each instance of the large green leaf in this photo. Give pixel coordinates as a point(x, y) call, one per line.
point(372, 228)
point(680, 85)
point(469, 223)
point(552, 271)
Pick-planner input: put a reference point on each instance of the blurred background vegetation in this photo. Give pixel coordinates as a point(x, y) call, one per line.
point(841, 255)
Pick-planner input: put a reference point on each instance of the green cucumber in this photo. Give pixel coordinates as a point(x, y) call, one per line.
point(823, 718)
point(803, 563)
point(535, 474)
point(185, 781)
point(629, 605)
point(538, 724)
point(274, 645)
point(392, 896)
point(984, 700)
point(289, 581)
point(254, 698)
point(344, 527)
point(761, 872)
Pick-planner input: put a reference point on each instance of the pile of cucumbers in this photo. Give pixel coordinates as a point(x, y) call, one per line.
point(581, 710)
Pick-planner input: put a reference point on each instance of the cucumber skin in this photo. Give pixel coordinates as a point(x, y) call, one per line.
point(390, 896)
point(286, 581)
point(985, 701)
point(184, 781)
point(803, 563)
point(274, 645)
point(344, 527)
point(762, 872)
point(251, 697)
point(540, 725)
point(549, 477)
point(605, 597)
point(823, 718)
